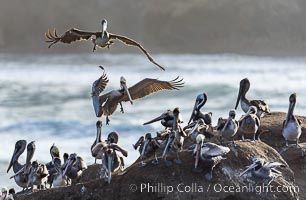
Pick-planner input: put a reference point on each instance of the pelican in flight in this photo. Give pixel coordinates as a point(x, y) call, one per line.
point(262, 106)
point(106, 104)
point(262, 171)
point(210, 153)
point(102, 39)
point(292, 127)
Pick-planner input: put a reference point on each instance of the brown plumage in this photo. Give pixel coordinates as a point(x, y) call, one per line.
point(102, 39)
point(107, 103)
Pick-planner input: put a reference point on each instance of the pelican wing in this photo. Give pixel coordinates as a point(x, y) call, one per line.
point(261, 105)
point(131, 42)
point(99, 85)
point(270, 165)
point(69, 36)
point(212, 150)
point(148, 86)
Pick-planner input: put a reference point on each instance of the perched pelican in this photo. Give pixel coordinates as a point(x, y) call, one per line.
point(106, 104)
point(147, 147)
point(262, 106)
point(38, 175)
point(74, 167)
point(102, 39)
point(98, 139)
point(261, 171)
point(292, 127)
point(166, 119)
point(229, 128)
point(211, 154)
point(111, 162)
point(58, 178)
point(197, 114)
point(20, 178)
point(249, 123)
point(174, 140)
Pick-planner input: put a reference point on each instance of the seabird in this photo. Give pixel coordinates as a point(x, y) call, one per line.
point(97, 140)
point(107, 103)
point(196, 112)
point(228, 129)
point(249, 123)
point(74, 167)
point(102, 39)
point(262, 106)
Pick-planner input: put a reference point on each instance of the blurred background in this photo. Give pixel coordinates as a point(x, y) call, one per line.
point(45, 93)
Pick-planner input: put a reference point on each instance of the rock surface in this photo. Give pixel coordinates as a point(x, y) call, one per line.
point(178, 178)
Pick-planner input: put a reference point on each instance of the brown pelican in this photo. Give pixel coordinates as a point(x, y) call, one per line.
point(262, 171)
point(74, 167)
point(147, 147)
point(102, 39)
point(38, 175)
point(292, 127)
point(197, 114)
point(20, 178)
point(229, 128)
point(106, 104)
point(174, 140)
point(211, 154)
point(262, 106)
point(58, 178)
point(98, 139)
point(166, 119)
point(111, 162)
point(249, 123)
point(199, 127)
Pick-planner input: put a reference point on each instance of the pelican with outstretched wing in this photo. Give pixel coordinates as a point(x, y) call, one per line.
point(102, 39)
point(107, 103)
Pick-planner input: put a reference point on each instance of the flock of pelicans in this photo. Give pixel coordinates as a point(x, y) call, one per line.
point(170, 140)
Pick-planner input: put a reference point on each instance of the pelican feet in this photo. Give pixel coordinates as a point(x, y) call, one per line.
point(155, 162)
point(143, 164)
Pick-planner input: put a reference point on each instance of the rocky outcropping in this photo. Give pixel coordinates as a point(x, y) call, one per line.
point(178, 181)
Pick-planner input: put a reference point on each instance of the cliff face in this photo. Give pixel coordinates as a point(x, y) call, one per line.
point(178, 181)
point(262, 27)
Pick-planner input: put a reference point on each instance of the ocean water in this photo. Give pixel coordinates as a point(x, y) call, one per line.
point(46, 98)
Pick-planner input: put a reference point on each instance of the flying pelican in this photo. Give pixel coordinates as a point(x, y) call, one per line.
point(166, 119)
point(98, 139)
point(262, 106)
point(20, 178)
point(229, 128)
point(292, 127)
point(74, 167)
point(147, 147)
point(210, 153)
point(102, 39)
point(249, 123)
point(197, 114)
point(262, 171)
point(174, 140)
point(106, 104)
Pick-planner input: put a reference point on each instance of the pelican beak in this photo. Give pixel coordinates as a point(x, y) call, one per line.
point(162, 116)
point(169, 141)
point(197, 156)
point(250, 167)
point(109, 168)
point(11, 163)
point(127, 92)
point(238, 97)
point(144, 147)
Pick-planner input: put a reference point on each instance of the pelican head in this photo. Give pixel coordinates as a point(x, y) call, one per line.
point(124, 87)
point(252, 110)
point(168, 115)
point(54, 151)
point(243, 89)
point(19, 149)
point(99, 124)
point(200, 101)
point(30, 152)
point(197, 151)
point(292, 102)
point(104, 26)
point(232, 114)
point(113, 137)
